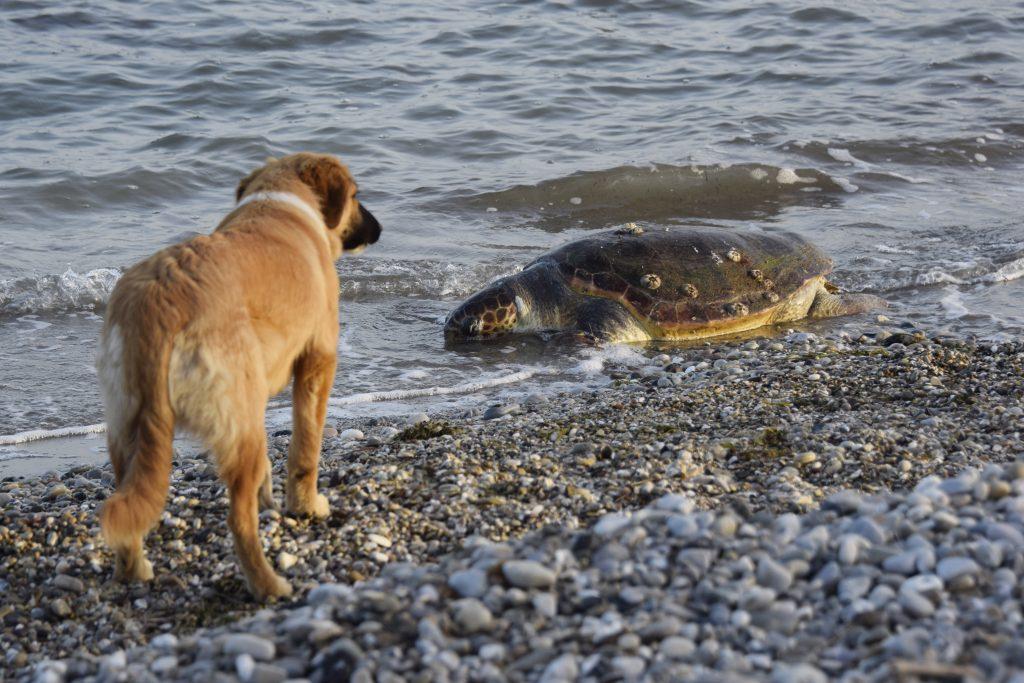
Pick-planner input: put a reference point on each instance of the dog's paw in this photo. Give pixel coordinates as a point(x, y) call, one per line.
point(321, 507)
point(317, 507)
point(138, 569)
point(274, 587)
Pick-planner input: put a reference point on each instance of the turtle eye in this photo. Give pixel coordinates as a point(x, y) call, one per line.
point(470, 326)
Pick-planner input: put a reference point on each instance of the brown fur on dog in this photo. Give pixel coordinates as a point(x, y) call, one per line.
point(202, 333)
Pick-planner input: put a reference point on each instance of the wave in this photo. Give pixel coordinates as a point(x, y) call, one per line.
point(979, 270)
point(369, 279)
point(663, 192)
point(426, 279)
point(362, 279)
point(69, 291)
point(996, 146)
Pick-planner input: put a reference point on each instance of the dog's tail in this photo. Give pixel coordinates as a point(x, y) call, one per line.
point(140, 431)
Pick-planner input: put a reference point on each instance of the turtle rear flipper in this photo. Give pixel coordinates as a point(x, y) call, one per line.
point(829, 304)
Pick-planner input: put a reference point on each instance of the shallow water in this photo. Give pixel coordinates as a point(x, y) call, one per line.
point(482, 135)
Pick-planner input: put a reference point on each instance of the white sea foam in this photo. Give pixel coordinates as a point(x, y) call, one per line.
point(40, 434)
point(937, 276)
point(412, 374)
point(907, 178)
point(886, 249)
point(594, 359)
point(953, 303)
point(1006, 272)
point(68, 291)
point(465, 388)
point(845, 184)
point(368, 397)
point(844, 155)
point(788, 176)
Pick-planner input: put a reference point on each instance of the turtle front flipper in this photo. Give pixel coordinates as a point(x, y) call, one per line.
point(829, 304)
point(605, 320)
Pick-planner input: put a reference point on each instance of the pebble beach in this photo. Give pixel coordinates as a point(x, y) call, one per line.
point(800, 509)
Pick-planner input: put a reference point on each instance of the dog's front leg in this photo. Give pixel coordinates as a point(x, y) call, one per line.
point(314, 375)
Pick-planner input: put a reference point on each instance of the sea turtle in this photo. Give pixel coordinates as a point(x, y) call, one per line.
point(677, 283)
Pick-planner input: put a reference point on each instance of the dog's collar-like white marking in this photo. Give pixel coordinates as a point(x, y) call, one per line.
point(287, 198)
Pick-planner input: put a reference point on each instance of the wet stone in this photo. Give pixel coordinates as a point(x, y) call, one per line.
point(499, 411)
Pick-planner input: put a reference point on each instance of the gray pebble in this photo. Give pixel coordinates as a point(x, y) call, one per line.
point(497, 411)
point(469, 583)
point(528, 574)
point(950, 568)
point(471, 615)
point(256, 647)
point(69, 583)
point(563, 669)
point(774, 575)
point(677, 647)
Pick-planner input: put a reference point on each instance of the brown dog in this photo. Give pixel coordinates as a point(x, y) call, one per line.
point(201, 334)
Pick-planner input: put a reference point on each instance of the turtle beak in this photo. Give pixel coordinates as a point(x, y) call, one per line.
point(461, 324)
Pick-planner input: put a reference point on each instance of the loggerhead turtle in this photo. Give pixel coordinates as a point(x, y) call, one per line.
point(632, 285)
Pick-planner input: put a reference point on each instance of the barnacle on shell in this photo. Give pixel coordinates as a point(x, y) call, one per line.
point(650, 281)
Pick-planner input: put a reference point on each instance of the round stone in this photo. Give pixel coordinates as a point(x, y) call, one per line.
point(950, 568)
point(528, 574)
point(246, 643)
point(677, 647)
point(471, 615)
point(774, 575)
point(468, 583)
point(286, 560)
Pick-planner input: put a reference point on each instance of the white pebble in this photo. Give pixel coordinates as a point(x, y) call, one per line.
point(286, 560)
point(245, 666)
point(248, 644)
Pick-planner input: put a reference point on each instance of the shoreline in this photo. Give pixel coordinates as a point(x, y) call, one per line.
point(753, 430)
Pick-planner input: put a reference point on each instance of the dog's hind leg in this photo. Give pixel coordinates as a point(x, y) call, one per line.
point(124, 527)
point(313, 377)
point(140, 438)
point(244, 469)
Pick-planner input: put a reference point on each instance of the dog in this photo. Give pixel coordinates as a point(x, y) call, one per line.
point(201, 334)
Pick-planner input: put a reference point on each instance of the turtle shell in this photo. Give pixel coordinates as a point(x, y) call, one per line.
point(690, 278)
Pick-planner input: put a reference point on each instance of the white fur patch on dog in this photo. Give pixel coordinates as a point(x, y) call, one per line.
point(286, 198)
point(120, 405)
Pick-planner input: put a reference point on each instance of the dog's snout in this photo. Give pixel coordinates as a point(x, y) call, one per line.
point(365, 233)
point(371, 228)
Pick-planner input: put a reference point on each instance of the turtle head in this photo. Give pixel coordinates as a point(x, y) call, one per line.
point(491, 312)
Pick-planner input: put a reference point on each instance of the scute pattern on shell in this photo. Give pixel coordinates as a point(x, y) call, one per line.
point(695, 287)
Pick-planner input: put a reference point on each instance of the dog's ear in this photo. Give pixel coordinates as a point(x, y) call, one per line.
point(243, 184)
point(329, 182)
